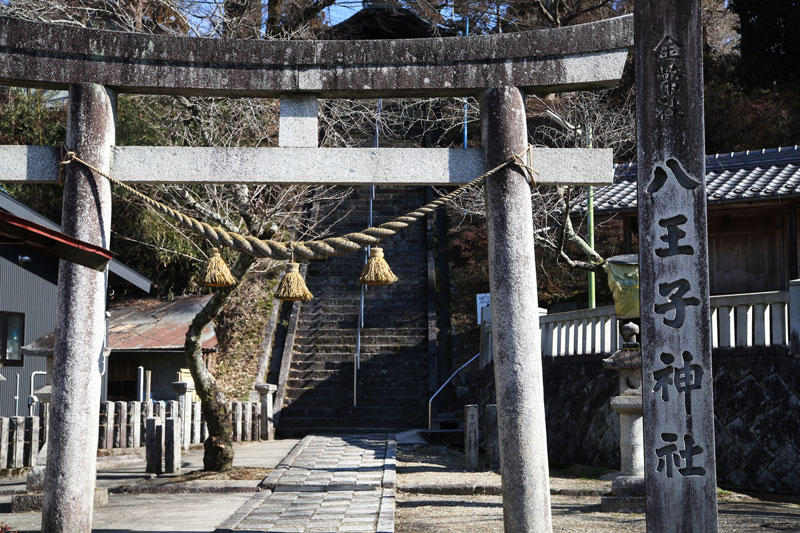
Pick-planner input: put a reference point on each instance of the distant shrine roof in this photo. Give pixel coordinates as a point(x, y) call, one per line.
point(733, 177)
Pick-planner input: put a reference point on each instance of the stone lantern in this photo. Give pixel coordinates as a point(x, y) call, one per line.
point(627, 489)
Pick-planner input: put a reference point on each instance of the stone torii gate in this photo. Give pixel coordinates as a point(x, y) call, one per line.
point(96, 65)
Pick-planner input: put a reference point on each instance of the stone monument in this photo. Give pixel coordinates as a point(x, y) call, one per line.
point(679, 461)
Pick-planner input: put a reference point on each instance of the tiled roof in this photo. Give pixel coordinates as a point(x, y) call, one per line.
point(735, 177)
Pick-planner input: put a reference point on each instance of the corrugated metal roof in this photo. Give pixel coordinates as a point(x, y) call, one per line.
point(145, 325)
point(734, 177)
point(156, 325)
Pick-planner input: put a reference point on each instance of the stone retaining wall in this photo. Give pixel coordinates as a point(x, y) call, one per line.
point(756, 406)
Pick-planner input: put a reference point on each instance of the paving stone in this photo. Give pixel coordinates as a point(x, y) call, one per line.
point(328, 484)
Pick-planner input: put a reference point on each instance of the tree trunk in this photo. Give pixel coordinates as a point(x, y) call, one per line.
point(218, 454)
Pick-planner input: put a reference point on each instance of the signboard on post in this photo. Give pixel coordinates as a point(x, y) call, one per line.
point(680, 474)
point(482, 300)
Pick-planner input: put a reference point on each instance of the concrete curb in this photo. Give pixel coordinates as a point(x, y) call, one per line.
point(390, 462)
point(188, 487)
point(463, 489)
point(271, 481)
point(241, 513)
point(386, 513)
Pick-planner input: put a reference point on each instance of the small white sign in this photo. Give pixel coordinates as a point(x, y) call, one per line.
point(481, 301)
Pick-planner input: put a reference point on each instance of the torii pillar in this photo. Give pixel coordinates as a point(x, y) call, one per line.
point(80, 333)
point(515, 309)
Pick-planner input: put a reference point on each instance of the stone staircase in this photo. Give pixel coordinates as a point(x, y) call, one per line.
point(392, 383)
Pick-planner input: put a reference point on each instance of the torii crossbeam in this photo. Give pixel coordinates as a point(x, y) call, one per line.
point(96, 64)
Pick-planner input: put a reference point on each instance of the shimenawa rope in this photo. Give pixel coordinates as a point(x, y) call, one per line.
point(307, 250)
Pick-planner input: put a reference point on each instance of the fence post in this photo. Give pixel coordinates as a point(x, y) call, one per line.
point(794, 316)
point(247, 424)
point(17, 442)
point(184, 389)
point(121, 426)
point(5, 432)
point(154, 442)
point(31, 440)
point(134, 415)
point(172, 457)
point(44, 417)
point(265, 392)
point(490, 436)
point(255, 409)
point(196, 415)
point(237, 421)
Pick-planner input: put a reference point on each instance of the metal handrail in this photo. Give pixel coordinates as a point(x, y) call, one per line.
point(430, 401)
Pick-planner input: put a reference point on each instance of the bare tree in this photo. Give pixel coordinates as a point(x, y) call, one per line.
point(564, 122)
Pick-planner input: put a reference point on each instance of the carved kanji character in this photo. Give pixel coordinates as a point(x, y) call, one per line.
point(675, 292)
point(674, 234)
point(674, 169)
point(663, 377)
point(688, 453)
point(668, 456)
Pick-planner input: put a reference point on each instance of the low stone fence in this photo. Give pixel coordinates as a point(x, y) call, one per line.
point(123, 424)
point(21, 438)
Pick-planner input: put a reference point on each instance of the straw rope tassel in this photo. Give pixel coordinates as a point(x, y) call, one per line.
point(377, 271)
point(292, 287)
point(217, 272)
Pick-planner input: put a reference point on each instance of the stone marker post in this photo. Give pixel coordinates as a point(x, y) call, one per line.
point(265, 392)
point(80, 325)
point(471, 434)
point(680, 475)
point(515, 315)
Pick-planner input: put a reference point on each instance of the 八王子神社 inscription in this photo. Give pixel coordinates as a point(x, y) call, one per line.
point(680, 472)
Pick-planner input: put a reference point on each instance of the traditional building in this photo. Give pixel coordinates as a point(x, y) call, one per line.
point(753, 201)
point(29, 255)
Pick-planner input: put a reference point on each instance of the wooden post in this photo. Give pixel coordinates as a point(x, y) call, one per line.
point(680, 472)
point(81, 321)
point(515, 317)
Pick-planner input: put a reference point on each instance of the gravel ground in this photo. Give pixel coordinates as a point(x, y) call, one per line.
point(446, 513)
point(425, 466)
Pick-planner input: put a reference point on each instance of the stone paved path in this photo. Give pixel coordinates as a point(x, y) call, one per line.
point(325, 484)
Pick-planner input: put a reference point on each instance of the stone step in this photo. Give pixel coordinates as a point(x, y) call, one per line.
point(334, 425)
point(378, 396)
point(389, 359)
point(341, 366)
point(380, 345)
point(345, 371)
point(364, 411)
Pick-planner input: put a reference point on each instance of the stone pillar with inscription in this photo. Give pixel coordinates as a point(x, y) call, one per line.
point(680, 475)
